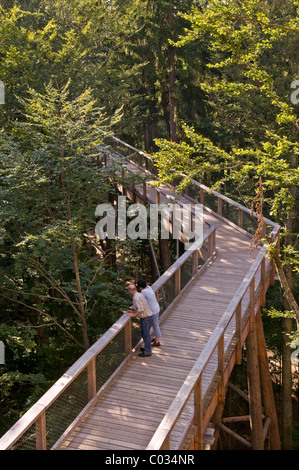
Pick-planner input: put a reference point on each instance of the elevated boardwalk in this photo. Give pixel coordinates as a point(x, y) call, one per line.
point(166, 401)
point(128, 413)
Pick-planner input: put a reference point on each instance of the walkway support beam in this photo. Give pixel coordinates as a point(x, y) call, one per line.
point(266, 385)
point(254, 388)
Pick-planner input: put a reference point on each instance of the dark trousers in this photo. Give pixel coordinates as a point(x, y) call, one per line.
point(145, 326)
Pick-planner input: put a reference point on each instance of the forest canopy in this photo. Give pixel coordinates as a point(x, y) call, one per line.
point(207, 88)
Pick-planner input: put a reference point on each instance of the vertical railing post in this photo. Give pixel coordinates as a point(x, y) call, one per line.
point(221, 393)
point(144, 191)
point(128, 337)
point(240, 218)
point(212, 243)
point(195, 262)
point(263, 282)
point(239, 333)
point(219, 206)
point(133, 192)
point(198, 438)
point(91, 378)
point(166, 443)
point(41, 432)
point(177, 281)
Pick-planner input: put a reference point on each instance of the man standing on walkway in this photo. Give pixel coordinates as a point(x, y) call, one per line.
point(141, 309)
point(150, 296)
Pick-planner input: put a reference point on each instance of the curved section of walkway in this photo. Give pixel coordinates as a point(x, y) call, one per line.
point(127, 414)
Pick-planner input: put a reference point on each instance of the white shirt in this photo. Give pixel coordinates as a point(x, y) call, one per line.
point(150, 296)
point(141, 305)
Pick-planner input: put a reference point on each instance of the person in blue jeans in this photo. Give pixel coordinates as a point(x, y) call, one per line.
point(150, 296)
point(141, 309)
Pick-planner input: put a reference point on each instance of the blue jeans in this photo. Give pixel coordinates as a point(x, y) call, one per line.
point(145, 325)
point(156, 326)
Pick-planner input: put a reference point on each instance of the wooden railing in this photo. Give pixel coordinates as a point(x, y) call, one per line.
point(36, 415)
point(230, 333)
point(34, 422)
point(216, 354)
point(195, 191)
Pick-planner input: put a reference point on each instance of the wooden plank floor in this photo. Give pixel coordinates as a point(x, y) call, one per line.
point(131, 408)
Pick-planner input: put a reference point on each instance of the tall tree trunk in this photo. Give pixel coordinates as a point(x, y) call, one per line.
point(155, 131)
point(81, 302)
point(172, 103)
point(171, 82)
point(146, 136)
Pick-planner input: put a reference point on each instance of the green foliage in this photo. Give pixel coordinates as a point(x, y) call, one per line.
point(71, 70)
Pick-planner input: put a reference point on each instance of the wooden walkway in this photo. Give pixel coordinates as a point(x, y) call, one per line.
point(127, 414)
point(137, 402)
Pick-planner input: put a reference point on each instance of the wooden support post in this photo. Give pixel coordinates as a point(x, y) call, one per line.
point(91, 379)
point(211, 246)
point(264, 230)
point(221, 392)
point(157, 196)
point(219, 206)
point(218, 413)
point(213, 242)
point(40, 429)
point(240, 218)
point(128, 337)
point(263, 281)
point(272, 274)
point(195, 262)
point(252, 287)
point(177, 277)
point(266, 385)
point(254, 387)
point(266, 428)
point(122, 181)
point(239, 333)
point(198, 438)
point(166, 444)
point(202, 196)
point(144, 191)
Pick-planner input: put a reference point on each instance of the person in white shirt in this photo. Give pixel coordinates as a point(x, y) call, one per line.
point(141, 309)
point(150, 296)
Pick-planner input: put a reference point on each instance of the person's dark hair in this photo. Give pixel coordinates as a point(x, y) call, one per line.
point(141, 283)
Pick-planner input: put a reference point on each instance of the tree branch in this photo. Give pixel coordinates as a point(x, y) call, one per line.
point(45, 315)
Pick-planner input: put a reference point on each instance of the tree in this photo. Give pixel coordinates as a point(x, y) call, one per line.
point(51, 184)
point(252, 71)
